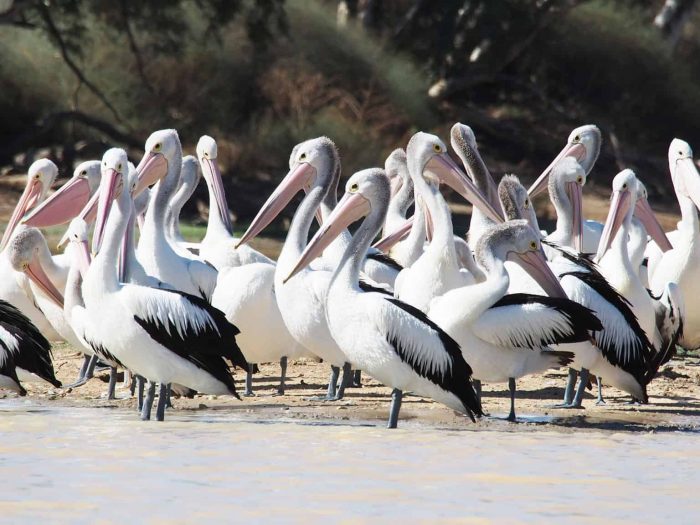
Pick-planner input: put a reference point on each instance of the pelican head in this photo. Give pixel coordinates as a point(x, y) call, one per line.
point(430, 162)
point(644, 213)
point(583, 145)
point(25, 253)
point(684, 173)
point(566, 192)
point(70, 199)
point(367, 192)
point(40, 177)
point(115, 173)
point(313, 164)
point(517, 242)
point(516, 201)
point(161, 147)
point(207, 153)
point(77, 235)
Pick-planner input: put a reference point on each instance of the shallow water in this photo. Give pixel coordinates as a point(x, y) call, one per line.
point(86, 465)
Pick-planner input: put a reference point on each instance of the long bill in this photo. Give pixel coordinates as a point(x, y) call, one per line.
point(620, 205)
point(37, 274)
point(152, 168)
point(387, 242)
point(442, 166)
point(29, 198)
point(219, 195)
point(88, 214)
point(575, 193)
point(535, 264)
point(646, 216)
point(109, 189)
point(690, 179)
point(351, 208)
point(62, 206)
point(295, 181)
point(575, 150)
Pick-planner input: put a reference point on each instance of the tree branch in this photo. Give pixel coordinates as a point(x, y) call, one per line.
point(135, 49)
point(56, 36)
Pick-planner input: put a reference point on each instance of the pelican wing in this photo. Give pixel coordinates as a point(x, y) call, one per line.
point(430, 352)
point(669, 309)
point(203, 275)
point(523, 320)
point(187, 326)
point(383, 258)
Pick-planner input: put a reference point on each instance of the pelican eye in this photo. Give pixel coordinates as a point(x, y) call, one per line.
point(533, 245)
point(527, 202)
point(302, 157)
point(577, 138)
point(437, 148)
point(353, 188)
point(579, 179)
point(624, 186)
point(158, 147)
point(119, 166)
point(83, 173)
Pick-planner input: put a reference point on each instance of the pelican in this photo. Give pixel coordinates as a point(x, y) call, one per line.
point(392, 341)
point(162, 163)
point(219, 246)
point(619, 352)
point(681, 265)
point(14, 286)
point(190, 175)
point(583, 145)
point(165, 336)
point(438, 269)
point(24, 352)
point(505, 337)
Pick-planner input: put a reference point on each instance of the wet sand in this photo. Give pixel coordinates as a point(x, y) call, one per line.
point(674, 400)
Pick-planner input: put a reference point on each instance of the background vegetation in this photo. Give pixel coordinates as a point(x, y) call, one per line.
point(77, 76)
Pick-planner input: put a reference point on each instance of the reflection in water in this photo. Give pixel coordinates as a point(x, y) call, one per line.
point(85, 465)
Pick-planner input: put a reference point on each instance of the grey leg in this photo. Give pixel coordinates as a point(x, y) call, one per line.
point(283, 375)
point(139, 396)
point(84, 366)
point(511, 387)
point(91, 367)
point(569, 391)
point(112, 382)
point(477, 388)
point(132, 386)
point(168, 397)
point(356, 379)
point(148, 401)
point(162, 401)
point(85, 373)
point(332, 382)
point(600, 400)
point(396, 397)
point(127, 379)
point(347, 379)
point(249, 382)
point(581, 389)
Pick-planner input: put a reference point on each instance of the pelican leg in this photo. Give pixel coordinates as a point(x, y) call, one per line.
point(600, 400)
point(168, 397)
point(345, 381)
point(581, 389)
point(356, 380)
point(112, 382)
point(127, 380)
point(249, 382)
point(396, 397)
point(84, 366)
point(283, 375)
point(148, 401)
point(332, 382)
point(569, 391)
point(477, 388)
point(139, 396)
point(162, 401)
point(511, 387)
point(85, 371)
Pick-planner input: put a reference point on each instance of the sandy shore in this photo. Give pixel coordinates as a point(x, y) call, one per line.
point(674, 400)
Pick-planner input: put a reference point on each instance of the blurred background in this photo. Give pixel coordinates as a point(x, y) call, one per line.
point(78, 76)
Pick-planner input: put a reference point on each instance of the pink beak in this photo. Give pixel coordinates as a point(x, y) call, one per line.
point(37, 274)
point(293, 182)
point(645, 214)
point(536, 265)
point(577, 151)
point(88, 214)
point(689, 179)
point(29, 198)
point(218, 186)
point(621, 202)
point(84, 258)
point(152, 168)
point(576, 197)
point(109, 188)
point(62, 206)
point(386, 243)
point(351, 208)
point(126, 241)
point(447, 171)
point(429, 224)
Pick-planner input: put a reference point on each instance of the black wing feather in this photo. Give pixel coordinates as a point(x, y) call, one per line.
point(385, 259)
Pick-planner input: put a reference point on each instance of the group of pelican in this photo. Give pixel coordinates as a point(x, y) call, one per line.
point(421, 310)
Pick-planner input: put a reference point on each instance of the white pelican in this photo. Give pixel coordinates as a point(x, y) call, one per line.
point(14, 286)
point(438, 269)
point(314, 167)
point(162, 163)
point(681, 265)
point(24, 352)
point(583, 145)
point(619, 353)
point(505, 337)
point(165, 336)
point(390, 340)
point(219, 246)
